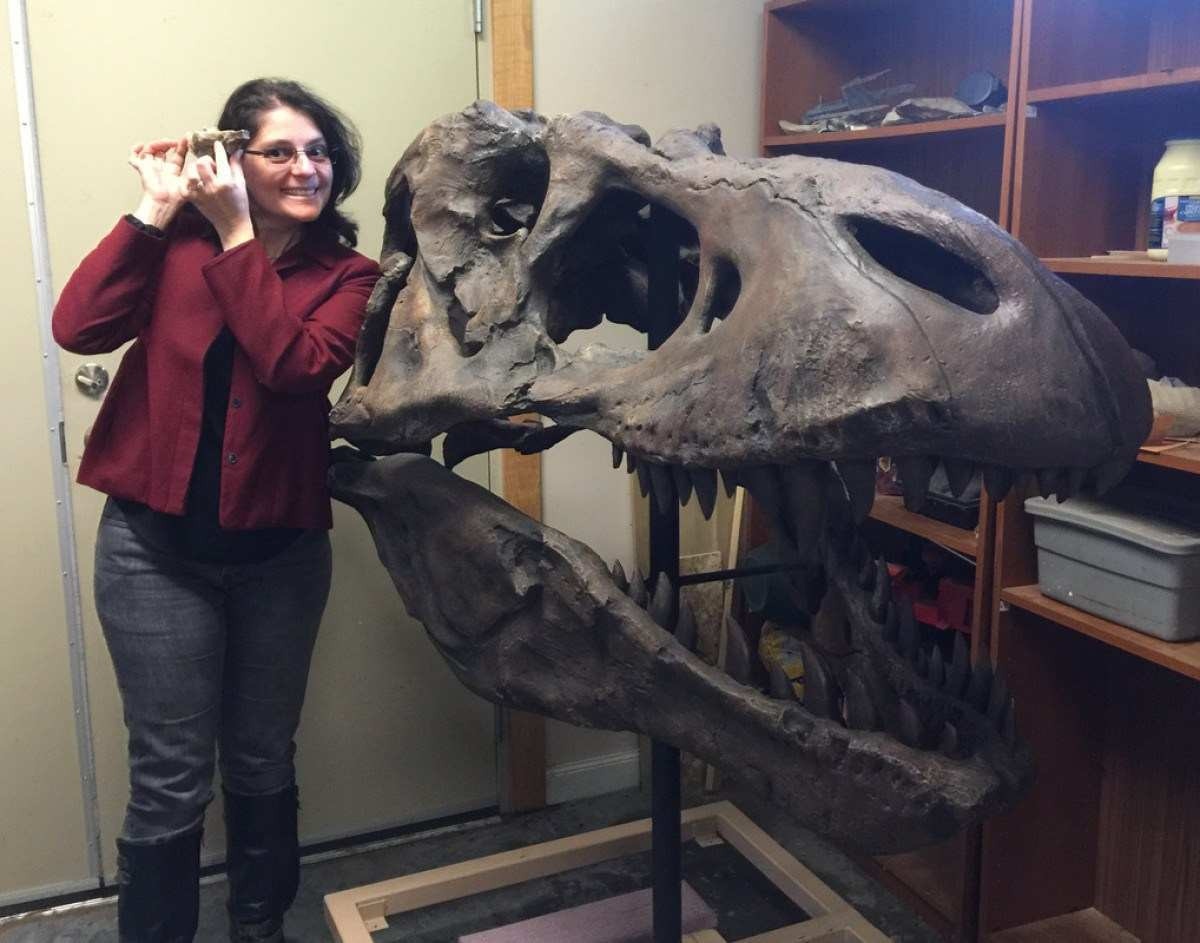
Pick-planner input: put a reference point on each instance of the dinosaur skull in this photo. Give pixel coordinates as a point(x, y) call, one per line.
point(830, 313)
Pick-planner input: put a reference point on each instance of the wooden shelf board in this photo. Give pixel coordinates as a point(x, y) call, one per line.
point(1185, 458)
point(1083, 926)
point(1130, 268)
point(1181, 657)
point(1123, 85)
point(890, 509)
point(948, 126)
point(839, 6)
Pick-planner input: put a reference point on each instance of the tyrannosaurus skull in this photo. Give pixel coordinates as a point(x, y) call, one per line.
point(830, 313)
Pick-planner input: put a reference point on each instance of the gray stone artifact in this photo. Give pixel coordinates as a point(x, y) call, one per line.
point(830, 313)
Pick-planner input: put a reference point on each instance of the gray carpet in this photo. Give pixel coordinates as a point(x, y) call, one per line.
point(745, 903)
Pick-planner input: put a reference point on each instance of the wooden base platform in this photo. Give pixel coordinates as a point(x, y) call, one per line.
point(354, 913)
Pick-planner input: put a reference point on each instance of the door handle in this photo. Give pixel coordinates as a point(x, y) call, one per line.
point(92, 380)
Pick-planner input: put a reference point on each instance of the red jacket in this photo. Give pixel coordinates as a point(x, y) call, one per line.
point(295, 321)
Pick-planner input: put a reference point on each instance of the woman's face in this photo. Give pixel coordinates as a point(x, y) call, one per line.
point(286, 195)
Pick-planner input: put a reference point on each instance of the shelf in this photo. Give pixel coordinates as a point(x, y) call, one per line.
point(1129, 268)
point(1127, 84)
point(1084, 926)
point(947, 126)
point(890, 509)
point(1181, 657)
point(1185, 458)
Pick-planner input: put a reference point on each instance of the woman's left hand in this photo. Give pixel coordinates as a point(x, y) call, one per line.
point(216, 186)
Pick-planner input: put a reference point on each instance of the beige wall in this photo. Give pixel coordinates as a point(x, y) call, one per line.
point(42, 839)
point(662, 64)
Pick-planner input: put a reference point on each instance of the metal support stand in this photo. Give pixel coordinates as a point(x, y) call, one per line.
point(663, 311)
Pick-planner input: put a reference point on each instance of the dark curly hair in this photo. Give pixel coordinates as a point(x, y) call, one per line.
point(252, 99)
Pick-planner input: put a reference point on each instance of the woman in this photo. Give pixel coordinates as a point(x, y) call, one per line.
point(236, 280)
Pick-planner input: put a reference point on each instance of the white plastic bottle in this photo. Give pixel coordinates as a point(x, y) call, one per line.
point(1176, 179)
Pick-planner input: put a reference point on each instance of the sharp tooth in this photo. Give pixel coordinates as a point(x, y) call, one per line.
point(643, 476)
point(909, 724)
point(729, 481)
point(891, 623)
point(998, 481)
point(959, 474)
point(915, 472)
point(637, 589)
point(860, 712)
point(685, 627)
point(910, 635)
point(948, 744)
point(662, 602)
point(779, 684)
point(937, 668)
point(882, 591)
point(630, 463)
point(867, 572)
point(858, 475)
point(829, 626)
point(683, 484)
point(997, 702)
point(705, 482)
point(737, 651)
point(618, 454)
point(1075, 479)
point(1110, 474)
point(763, 483)
point(664, 491)
point(1047, 480)
point(619, 577)
point(960, 667)
point(804, 494)
point(980, 686)
point(1010, 723)
point(821, 695)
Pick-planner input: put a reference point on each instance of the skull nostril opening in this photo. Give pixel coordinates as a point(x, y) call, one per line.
point(922, 262)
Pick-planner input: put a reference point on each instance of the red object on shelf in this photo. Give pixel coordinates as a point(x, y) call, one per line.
point(950, 609)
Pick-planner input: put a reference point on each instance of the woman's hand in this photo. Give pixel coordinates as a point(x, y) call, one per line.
point(216, 186)
point(159, 164)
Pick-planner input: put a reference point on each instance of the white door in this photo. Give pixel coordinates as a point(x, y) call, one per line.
point(388, 736)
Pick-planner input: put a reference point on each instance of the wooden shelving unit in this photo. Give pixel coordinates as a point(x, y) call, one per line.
point(889, 509)
point(1103, 849)
point(1181, 657)
point(1127, 268)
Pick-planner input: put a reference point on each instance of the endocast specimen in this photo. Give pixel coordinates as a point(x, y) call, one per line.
point(830, 313)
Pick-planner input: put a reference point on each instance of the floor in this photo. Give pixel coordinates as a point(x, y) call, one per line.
point(745, 903)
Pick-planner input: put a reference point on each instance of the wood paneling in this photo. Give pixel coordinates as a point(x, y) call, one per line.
point(523, 759)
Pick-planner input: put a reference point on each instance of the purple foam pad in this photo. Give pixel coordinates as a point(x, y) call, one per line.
point(627, 918)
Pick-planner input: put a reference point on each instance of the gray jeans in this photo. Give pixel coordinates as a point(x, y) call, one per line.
point(206, 655)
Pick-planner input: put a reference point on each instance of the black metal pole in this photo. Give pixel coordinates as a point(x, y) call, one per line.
point(663, 314)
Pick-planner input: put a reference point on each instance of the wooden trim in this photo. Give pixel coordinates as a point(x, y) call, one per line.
point(1017, 57)
point(1017, 105)
point(355, 913)
point(523, 736)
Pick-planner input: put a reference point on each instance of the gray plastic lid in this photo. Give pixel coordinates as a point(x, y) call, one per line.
point(1146, 529)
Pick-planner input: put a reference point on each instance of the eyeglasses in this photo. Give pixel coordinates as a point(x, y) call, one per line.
point(286, 153)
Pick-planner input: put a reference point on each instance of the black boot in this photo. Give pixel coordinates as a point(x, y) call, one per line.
point(263, 862)
point(158, 890)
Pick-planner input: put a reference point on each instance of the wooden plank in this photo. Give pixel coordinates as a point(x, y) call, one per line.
point(947, 126)
point(523, 759)
point(512, 53)
point(1185, 458)
point(890, 509)
point(1181, 657)
point(1125, 267)
point(1083, 926)
point(1116, 86)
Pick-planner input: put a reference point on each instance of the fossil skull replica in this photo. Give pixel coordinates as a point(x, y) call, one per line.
point(830, 313)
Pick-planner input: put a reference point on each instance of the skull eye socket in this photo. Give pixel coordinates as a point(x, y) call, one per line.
point(924, 263)
point(509, 217)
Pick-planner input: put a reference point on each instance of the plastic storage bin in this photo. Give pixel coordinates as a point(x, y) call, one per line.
point(1132, 562)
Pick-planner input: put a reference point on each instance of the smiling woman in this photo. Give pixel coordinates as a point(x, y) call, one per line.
point(237, 280)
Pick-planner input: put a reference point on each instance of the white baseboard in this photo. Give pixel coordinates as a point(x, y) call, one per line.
point(592, 777)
